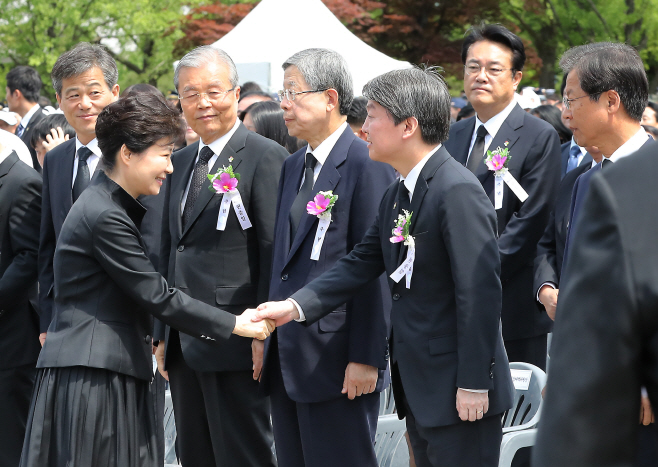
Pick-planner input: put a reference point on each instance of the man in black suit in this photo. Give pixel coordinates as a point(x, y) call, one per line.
point(493, 58)
point(550, 249)
point(22, 94)
point(324, 380)
point(606, 92)
point(20, 214)
point(604, 345)
point(220, 417)
point(450, 373)
point(85, 82)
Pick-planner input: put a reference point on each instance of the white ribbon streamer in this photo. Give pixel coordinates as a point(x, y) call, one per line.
point(323, 226)
point(511, 182)
point(407, 267)
point(234, 198)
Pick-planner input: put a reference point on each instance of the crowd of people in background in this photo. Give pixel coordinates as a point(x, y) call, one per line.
point(243, 238)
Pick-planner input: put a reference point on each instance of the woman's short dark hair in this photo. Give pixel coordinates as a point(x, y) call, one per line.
point(552, 115)
point(43, 127)
point(267, 117)
point(138, 121)
point(501, 35)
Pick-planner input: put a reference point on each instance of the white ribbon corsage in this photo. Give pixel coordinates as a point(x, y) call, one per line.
point(226, 181)
point(497, 161)
point(401, 234)
point(321, 207)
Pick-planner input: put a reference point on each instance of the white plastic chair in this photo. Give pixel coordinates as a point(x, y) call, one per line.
point(390, 445)
point(169, 431)
point(520, 422)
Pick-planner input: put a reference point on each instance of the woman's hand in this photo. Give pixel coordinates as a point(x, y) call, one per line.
point(244, 326)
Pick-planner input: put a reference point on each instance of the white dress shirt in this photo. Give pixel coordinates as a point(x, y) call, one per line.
point(493, 126)
point(92, 161)
point(217, 147)
point(25, 120)
point(322, 152)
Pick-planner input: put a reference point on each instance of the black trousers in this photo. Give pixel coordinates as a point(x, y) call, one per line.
point(530, 350)
point(221, 420)
point(335, 433)
point(15, 394)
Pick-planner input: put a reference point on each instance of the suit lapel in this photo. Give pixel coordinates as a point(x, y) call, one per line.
point(66, 176)
point(327, 180)
point(463, 141)
point(234, 145)
point(7, 164)
point(184, 163)
point(292, 183)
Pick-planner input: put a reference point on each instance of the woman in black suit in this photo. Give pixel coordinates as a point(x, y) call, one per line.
point(91, 404)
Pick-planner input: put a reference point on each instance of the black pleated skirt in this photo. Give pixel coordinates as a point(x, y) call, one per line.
point(89, 417)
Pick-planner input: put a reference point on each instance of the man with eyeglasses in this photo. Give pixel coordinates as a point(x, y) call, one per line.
point(324, 380)
point(221, 419)
point(493, 58)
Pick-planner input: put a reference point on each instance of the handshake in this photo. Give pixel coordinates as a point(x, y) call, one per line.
point(260, 322)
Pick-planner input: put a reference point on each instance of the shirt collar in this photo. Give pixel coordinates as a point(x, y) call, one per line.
point(495, 122)
point(92, 146)
point(630, 146)
point(218, 145)
point(26, 118)
point(412, 177)
point(321, 153)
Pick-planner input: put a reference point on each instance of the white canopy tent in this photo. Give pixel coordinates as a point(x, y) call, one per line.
point(276, 29)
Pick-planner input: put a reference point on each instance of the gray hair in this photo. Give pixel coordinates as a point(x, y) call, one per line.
point(606, 66)
point(414, 92)
point(325, 69)
point(205, 55)
point(83, 57)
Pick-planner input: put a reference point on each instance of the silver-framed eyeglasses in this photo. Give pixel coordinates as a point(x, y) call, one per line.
point(490, 70)
point(567, 102)
point(193, 97)
point(290, 94)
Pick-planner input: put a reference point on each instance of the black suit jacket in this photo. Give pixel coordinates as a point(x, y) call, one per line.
point(606, 329)
point(56, 204)
point(565, 149)
point(231, 268)
point(106, 290)
point(534, 148)
point(20, 215)
point(27, 137)
point(313, 358)
point(444, 336)
point(550, 250)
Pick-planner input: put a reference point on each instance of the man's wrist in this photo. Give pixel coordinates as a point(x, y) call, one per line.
point(300, 312)
point(541, 288)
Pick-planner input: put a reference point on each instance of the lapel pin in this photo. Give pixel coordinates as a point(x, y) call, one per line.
point(230, 159)
point(395, 205)
point(506, 143)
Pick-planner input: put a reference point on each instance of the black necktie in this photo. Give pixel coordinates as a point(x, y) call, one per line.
point(298, 208)
point(82, 175)
point(199, 178)
point(403, 197)
point(606, 163)
point(477, 153)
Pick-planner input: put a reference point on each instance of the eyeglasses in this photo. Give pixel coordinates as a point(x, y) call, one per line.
point(290, 94)
point(490, 70)
point(567, 102)
point(212, 96)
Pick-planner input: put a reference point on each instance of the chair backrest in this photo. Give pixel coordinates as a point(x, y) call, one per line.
point(529, 381)
point(386, 401)
point(390, 446)
point(169, 431)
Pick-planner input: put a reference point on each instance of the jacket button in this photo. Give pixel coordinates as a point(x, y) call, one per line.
point(181, 248)
point(396, 296)
point(491, 374)
point(147, 339)
point(284, 277)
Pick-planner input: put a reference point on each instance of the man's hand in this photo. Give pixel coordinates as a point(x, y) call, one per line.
point(54, 139)
point(281, 312)
point(359, 379)
point(472, 405)
point(646, 414)
point(257, 357)
point(159, 358)
point(548, 298)
point(247, 326)
point(42, 338)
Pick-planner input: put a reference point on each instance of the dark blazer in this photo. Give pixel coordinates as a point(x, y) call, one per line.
point(444, 336)
point(106, 290)
point(313, 358)
point(20, 215)
point(580, 190)
point(56, 204)
point(565, 149)
point(231, 268)
point(535, 163)
point(550, 250)
point(604, 342)
point(27, 137)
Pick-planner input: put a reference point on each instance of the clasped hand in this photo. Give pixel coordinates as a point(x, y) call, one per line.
point(246, 325)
